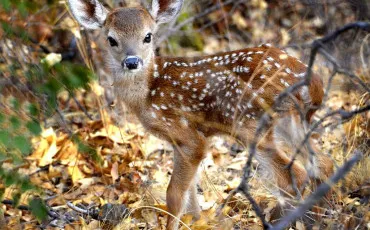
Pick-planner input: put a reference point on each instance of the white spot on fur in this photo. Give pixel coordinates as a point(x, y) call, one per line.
point(184, 122)
point(156, 106)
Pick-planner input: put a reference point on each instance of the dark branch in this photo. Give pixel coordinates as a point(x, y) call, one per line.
point(319, 193)
point(266, 119)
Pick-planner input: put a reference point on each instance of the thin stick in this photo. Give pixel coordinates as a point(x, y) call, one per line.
point(319, 193)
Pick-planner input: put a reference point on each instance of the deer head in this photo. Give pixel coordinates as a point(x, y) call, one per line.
point(129, 30)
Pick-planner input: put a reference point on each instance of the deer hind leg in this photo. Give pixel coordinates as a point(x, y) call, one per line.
point(287, 135)
point(325, 164)
point(279, 179)
point(181, 192)
point(275, 164)
point(290, 132)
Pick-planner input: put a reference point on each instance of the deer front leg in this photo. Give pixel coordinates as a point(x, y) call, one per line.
point(181, 192)
point(193, 207)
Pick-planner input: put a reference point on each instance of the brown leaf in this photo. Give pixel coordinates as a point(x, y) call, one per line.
point(114, 133)
point(114, 172)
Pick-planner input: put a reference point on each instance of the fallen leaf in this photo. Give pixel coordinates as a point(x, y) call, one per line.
point(114, 172)
point(114, 133)
point(68, 153)
point(75, 173)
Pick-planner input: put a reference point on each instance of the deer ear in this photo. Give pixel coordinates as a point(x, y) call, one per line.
point(165, 10)
point(91, 14)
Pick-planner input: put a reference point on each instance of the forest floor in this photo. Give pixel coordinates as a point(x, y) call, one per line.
point(135, 167)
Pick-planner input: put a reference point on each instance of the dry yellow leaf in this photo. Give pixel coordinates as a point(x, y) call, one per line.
point(68, 153)
point(202, 224)
point(285, 37)
point(46, 149)
point(75, 173)
point(125, 224)
point(94, 225)
point(239, 20)
point(187, 219)
point(48, 155)
point(114, 133)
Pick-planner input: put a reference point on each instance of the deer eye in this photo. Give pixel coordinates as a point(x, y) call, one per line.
point(112, 42)
point(148, 38)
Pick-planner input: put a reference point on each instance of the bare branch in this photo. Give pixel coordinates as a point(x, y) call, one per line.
point(319, 193)
point(77, 209)
point(266, 119)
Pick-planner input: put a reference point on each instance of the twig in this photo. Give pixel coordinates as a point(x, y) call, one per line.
point(63, 121)
point(81, 107)
point(319, 193)
point(317, 44)
point(338, 69)
point(77, 209)
point(231, 194)
point(345, 115)
point(244, 188)
point(266, 118)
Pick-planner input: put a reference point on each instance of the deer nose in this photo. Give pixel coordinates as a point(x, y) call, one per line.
point(132, 62)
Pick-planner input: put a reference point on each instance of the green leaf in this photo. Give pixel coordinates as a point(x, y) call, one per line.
point(5, 137)
point(2, 118)
point(73, 76)
point(2, 191)
point(5, 4)
point(33, 110)
point(34, 127)
point(53, 86)
point(9, 180)
point(16, 198)
point(38, 209)
point(87, 150)
point(3, 155)
point(15, 103)
point(26, 185)
point(22, 9)
point(13, 177)
point(17, 159)
point(7, 28)
point(21, 143)
point(16, 124)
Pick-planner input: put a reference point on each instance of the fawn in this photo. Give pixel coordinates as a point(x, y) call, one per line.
point(185, 100)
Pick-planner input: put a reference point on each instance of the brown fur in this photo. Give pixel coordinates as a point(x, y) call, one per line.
point(127, 20)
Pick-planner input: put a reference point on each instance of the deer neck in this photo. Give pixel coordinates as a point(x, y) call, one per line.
point(133, 88)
